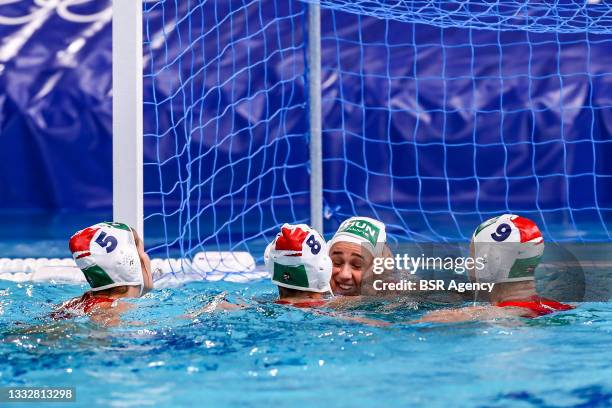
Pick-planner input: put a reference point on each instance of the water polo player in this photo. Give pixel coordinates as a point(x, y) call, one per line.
point(301, 268)
point(299, 265)
point(113, 260)
point(352, 250)
point(512, 247)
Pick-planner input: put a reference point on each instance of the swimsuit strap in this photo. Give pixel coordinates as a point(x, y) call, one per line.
point(83, 304)
point(88, 301)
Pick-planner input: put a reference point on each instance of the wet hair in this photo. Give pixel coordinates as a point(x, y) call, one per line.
point(287, 292)
point(117, 290)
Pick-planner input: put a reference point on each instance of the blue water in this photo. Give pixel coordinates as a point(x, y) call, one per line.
point(273, 355)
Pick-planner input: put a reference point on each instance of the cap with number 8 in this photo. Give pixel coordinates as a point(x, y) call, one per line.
point(298, 258)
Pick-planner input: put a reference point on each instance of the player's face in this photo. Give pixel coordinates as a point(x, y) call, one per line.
point(145, 263)
point(349, 265)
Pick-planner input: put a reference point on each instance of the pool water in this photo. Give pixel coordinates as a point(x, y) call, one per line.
point(272, 355)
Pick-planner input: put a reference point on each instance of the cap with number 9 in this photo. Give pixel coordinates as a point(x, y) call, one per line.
point(511, 247)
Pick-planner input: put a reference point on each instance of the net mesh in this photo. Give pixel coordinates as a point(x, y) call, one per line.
point(557, 16)
point(225, 123)
point(439, 115)
point(436, 116)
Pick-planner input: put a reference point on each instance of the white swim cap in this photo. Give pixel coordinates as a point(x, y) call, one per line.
point(511, 247)
point(107, 255)
point(298, 259)
point(367, 232)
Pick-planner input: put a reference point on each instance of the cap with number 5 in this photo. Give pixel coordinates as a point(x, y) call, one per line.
point(107, 255)
point(511, 247)
point(298, 259)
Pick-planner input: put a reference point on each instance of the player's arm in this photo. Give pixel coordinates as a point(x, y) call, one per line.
point(110, 316)
point(355, 319)
point(218, 303)
point(471, 313)
point(363, 320)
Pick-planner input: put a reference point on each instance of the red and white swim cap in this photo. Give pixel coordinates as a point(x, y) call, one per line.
point(511, 247)
point(298, 259)
point(107, 255)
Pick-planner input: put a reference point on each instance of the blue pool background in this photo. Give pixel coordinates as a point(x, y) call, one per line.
point(275, 355)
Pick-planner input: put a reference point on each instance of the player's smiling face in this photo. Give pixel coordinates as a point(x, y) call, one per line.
point(349, 264)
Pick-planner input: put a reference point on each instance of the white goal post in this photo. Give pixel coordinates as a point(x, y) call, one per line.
point(128, 113)
point(314, 96)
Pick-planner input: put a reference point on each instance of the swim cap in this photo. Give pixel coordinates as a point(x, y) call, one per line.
point(107, 255)
point(367, 232)
point(511, 247)
point(298, 259)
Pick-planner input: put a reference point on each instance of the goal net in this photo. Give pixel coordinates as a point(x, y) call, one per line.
point(436, 116)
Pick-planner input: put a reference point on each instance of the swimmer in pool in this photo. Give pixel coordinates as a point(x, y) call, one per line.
point(300, 266)
point(512, 247)
point(113, 260)
point(352, 250)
